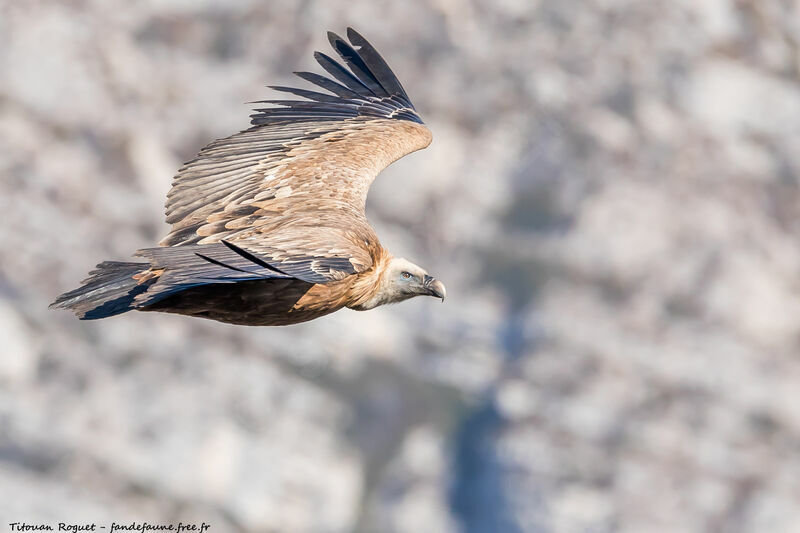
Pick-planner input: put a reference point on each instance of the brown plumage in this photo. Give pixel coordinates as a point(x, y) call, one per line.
point(268, 225)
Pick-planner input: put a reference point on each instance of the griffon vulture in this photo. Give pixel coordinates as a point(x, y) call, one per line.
point(268, 225)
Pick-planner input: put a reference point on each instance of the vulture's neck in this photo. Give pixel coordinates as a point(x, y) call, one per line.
point(369, 288)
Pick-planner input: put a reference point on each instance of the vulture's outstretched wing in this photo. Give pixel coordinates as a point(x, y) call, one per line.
point(290, 191)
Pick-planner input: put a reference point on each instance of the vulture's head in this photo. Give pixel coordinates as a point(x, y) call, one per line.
point(401, 280)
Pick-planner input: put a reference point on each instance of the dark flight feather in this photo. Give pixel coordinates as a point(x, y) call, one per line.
point(368, 88)
point(252, 258)
point(377, 66)
point(311, 95)
point(340, 73)
point(357, 65)
point(329, 85)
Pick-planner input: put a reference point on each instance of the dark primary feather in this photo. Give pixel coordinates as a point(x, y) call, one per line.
point(343, 75)
point(368, 88)
point(328, 84)
point(311, 95)
point(377, 65)
point(357, 65)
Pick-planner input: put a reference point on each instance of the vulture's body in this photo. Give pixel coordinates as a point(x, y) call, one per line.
point(268, 225)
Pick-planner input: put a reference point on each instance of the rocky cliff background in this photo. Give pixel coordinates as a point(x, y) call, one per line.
point(611, 198)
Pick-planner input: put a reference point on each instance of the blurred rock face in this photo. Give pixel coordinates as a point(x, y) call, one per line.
point(611, 198)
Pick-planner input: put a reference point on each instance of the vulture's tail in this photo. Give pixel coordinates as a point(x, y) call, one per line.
point(109, 290)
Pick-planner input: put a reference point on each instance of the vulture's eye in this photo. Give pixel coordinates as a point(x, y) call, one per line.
point(406, 275)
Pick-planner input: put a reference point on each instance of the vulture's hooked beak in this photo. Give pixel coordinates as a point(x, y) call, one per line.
point(435, 287)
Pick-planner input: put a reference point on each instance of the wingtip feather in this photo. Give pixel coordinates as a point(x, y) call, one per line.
point(362, 79)
point(354, 36)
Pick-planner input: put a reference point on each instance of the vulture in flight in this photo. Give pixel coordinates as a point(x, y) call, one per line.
point(268, 225)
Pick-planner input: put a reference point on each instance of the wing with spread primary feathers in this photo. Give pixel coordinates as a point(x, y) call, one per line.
point(290, 191)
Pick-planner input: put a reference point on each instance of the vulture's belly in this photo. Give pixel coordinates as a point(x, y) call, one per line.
point(276, 302)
